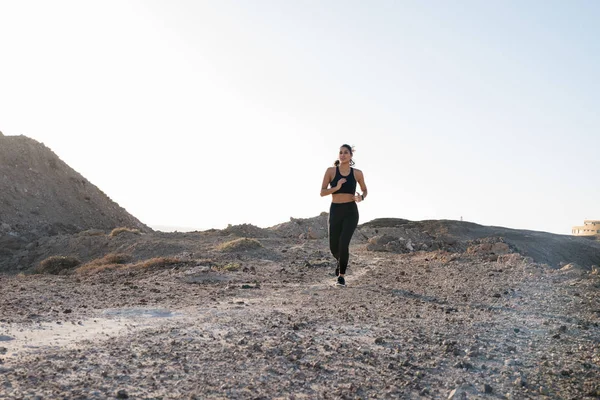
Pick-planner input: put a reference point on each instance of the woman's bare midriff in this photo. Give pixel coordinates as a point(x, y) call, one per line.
point(342, 198)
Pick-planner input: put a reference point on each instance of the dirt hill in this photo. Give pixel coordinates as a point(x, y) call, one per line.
point(403, 236)
point(40, 195)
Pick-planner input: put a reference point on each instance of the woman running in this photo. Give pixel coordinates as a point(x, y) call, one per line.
point(343, 214)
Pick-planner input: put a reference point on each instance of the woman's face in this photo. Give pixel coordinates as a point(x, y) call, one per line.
point(344, 155)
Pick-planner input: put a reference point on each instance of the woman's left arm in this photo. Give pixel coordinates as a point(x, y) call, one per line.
point(360, 178)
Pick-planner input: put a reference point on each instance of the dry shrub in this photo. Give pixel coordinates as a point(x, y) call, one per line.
point(95, 268)
point(57, 265)
point(118, 262)
point(109, 261)
point(241, 244)
point(115, 258)
point(118, 231)
point(157, 262)
point(231, 267)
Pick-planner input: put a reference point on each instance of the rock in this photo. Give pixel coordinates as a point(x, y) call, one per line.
point(460, 393)
point(379, 340)
point(520, 381)
point(314, 233)
point(512, 259)
point(385, 243)
point(487, 388)
point(594, 392)
point(4, 338)
point(122, 394)
point(500, 248)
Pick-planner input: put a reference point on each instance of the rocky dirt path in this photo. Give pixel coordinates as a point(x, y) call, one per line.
point(415, 326)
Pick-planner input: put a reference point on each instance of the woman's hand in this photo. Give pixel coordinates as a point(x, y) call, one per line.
point(340, 183)
point(358, 197)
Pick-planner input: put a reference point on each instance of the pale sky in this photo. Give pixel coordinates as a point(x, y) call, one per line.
point(199, 114)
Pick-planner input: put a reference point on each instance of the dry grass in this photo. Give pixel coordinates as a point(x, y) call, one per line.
point(94, 269)
point(118, 231)
point(157, 262)
point(231, 267)
point(122, 262)
point(241, 244)
point(57, 265)
point(108, 262)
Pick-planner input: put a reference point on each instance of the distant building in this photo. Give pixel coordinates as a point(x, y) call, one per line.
point(589, 228)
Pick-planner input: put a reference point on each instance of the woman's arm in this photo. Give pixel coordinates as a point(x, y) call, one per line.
point(326, 179)
point(360, 178)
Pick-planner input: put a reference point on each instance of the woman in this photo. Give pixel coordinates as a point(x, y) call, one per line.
point(343, 214)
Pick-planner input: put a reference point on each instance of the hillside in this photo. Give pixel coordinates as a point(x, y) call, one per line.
point(40, 195)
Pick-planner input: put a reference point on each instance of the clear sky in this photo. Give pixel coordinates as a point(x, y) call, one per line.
point(203, 113)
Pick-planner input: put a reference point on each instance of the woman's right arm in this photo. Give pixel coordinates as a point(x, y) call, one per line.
point(326, 179)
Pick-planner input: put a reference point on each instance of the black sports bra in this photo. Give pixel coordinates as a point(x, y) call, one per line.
point(347, 187)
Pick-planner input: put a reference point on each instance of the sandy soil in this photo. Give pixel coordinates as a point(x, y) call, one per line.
point(424, 325)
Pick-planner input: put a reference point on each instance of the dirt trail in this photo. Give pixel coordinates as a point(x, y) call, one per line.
point(407, 326)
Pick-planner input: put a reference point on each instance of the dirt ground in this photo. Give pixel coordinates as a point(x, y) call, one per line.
point(268, 323)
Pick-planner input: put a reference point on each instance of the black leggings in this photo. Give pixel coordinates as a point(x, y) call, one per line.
point(343, 219)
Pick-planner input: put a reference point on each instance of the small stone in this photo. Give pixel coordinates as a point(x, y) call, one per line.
point(517, 330)
point(544, 391)
point(4, 338)
point(487, 388)
point(68, 311)
point(379, 340)
point(566, 372)
point(458, 394)
point(520, 382)
point(121, 394)
point(595, 392)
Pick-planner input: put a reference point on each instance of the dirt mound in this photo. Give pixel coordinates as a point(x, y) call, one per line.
point(246, 230)
point(403, 236)
point(304, 228)
point(40, 195)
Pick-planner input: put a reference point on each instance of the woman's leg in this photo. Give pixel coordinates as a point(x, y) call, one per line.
point(335, 230)
point(349, 224)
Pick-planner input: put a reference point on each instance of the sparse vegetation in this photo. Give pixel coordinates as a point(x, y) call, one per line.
point(120, 230)
point(231, 267)
point(157, 262)
point(116, 258)
point(122, 261)
point(241, 244)
point(109, 261)
point(57, 265)
point(95, 268)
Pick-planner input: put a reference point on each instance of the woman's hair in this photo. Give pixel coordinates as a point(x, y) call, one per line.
point(351, 150)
